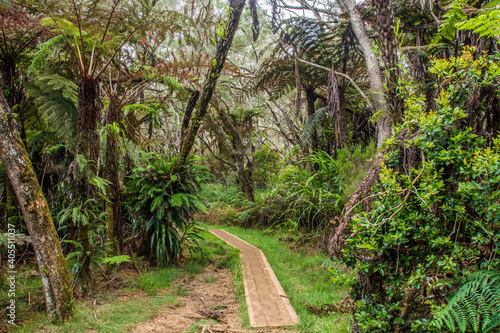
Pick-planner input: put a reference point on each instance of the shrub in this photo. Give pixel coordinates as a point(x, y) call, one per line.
point(166, 200)
point(436, 216)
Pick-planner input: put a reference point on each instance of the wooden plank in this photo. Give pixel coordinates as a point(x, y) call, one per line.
point(263, 292)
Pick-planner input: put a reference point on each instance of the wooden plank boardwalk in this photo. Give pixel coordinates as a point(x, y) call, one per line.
point(266, 308)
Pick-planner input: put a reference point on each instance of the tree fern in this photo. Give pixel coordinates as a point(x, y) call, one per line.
point(476, 304)
point(313, 122)
point(485, 24)
point(56, 97)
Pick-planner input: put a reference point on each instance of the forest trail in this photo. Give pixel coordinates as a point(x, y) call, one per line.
point(266, 306)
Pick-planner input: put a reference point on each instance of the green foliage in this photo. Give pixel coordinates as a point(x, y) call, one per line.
point(166, 200)
point(303, 199)
point(454, 16)
point(313, 122)
point(353, 163)
point(435, 212)
point(475, 304)
point(116, 260)
point(266, 165)
point(56, 97)
point(486, 23)
point(156, 280)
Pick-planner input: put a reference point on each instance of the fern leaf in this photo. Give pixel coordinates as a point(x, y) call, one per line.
point(312, 123)
point(475, 304)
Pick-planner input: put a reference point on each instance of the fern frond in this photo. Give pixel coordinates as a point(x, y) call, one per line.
point(485, 24)
point(312, 123)
point(476, 304)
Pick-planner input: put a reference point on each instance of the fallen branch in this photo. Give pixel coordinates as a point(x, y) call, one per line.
point(103, 285)
point(211, 314)
point(344, 306)
point(34, 304)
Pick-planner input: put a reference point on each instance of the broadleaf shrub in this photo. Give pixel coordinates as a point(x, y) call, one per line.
point(435, 213)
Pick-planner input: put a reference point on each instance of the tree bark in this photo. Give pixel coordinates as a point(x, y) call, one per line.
point(114, 224)
point(51, 262)
point(244, 169)
point(311, 98)
point(223, 46)
point(88, 145)
point(389, 51)
point(384, 121)
point(188, 114)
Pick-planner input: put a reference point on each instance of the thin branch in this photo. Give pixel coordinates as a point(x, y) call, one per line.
point(118, 49)
point(109, 20)
point(81, 37)
point(61, 30)
point(342, 75)
point(213, 154)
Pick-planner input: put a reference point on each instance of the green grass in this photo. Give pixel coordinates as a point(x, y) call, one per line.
point(155, 280)
point(302, 276)
point(114, 312)
point(118, 315)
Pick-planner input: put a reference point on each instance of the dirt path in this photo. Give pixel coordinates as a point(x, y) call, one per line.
point(216, 287)
point(263, 292)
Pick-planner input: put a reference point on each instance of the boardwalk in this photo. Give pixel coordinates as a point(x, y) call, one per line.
point(266, 308)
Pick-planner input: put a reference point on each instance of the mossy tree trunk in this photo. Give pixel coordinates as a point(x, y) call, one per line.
point(51, 262)
point(243, 163)
point(223, 46)
point(14, 95)
point(114, 224)
point(311, 98)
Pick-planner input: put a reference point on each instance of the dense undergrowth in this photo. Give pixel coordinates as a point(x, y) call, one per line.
point(303, 198)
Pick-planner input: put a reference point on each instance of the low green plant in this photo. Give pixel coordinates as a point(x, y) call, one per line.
point(310, 198)
point(266, 166)
point(156, 280)
point(476, 305)
point(167, 199)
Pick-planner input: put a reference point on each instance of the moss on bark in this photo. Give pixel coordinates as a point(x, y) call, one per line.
point(51, 262)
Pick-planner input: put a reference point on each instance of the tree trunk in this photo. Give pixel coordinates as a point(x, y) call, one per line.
point(239, 156)
point(88, 145)
point(114, 224)
point(55, 277)
point(384, 121)
point(389, 51)
point(223, 46)
point(188, 114)
point(14, 94)
point(311, 98)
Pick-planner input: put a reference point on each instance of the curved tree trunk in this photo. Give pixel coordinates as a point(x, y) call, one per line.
point(384, 121)
point(223, 46)
point(51, 262)
point(239, 155)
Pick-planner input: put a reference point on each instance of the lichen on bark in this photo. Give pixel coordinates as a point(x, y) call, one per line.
point(51, 262)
